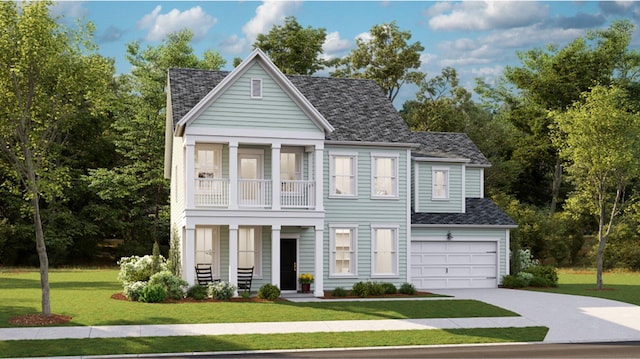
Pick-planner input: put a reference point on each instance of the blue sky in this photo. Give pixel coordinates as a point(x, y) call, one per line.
point(477, 38)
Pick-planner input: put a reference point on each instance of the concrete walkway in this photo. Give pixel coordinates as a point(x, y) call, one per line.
point(570, 319)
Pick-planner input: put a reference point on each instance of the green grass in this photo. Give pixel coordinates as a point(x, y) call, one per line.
point(618, 285)
point(85, 295)
point(77, 347)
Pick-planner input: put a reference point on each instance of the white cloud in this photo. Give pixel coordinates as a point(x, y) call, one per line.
point(270, 13)
point(426, 59)
point(160, 25)
point(438, 9)
point(483, 15)
point(334, 46)
point(364, 36)
point(235, 45)
point(69, 9)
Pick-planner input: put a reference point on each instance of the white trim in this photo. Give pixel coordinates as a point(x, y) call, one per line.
point(416, 187)
point(256, 135)
point(255, 81)
point(318, 288)
point(479, 226)
point(408, 221)
point(353, 261)
point(395, 176)
point(369, 143)
point(455, 238)
point(257, 252)
point(354, 169)
point(395, 255)
point(463, 184)
point(507, 269)
point(481, 182)
point(440, 159)
point(447, 184)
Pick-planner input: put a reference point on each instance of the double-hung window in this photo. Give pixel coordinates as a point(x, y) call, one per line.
point(210, 188)
point(384, 250)
point(384, 176)
point(343, 175)
point(343, 250)
point(290, 170)
point(440, 180)
point(249, 249)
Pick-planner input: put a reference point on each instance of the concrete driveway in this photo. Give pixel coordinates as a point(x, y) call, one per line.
point(570, 318)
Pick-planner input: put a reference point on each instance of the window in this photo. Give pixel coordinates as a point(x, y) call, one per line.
point(208, 161)
point(385, 251)
point(343, 250)
point(207, 247)
point(343, 175)
point(384, 177)
point(440, 183)
point(290, 170)
point(249, 248)
point(256, 88)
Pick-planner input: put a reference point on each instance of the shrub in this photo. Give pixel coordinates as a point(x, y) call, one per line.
point(153, 293)
point(137, 269)
point(361, 289)
point(526, 277)
point(174, 263)
point(269, 292)
point(197, 292)
point(538, 282)
point(339, 292)
point(407, 288)
point(245, 295)
point(174, 286)
point(376, 288)
point(548, 273)
point(389, 288)
point(132, 290)
point(513, 281)
point(221, 290)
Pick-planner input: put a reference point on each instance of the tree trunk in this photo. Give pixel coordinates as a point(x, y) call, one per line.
point(601, 242)
point(42, 255)
point(555, 186)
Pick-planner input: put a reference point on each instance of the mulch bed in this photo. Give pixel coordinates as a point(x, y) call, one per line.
point(327, 295)
point(39, 320)
point(120, 296)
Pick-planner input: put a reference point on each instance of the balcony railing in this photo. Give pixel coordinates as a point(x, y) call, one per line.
point(214, 192)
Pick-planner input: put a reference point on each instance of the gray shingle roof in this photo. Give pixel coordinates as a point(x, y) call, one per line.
point(356, 108)
point(479, 211)
point(448, 145)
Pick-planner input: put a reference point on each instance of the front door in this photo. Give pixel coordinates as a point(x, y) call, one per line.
point(288, 263)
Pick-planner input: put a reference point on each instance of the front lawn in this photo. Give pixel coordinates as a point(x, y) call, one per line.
point(618, 285)
point(85, 295)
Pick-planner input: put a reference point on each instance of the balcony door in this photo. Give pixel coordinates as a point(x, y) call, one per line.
point(251, 189)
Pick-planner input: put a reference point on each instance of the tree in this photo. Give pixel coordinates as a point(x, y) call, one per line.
point(51, 78)
point(292, 48)
point(600, 139)
point(136, 184)
point(386, 58)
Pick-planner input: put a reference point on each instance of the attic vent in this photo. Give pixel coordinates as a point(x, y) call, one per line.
point(256, 88)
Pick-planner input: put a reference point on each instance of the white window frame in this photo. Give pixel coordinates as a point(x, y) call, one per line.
point(394, 176)
point(213, 172)
point(332, 175)
point(395, 252)
point(258, 82)
point(298, 168)
point(353, 257)
point(257, 252)
point(434, 171)
point(215, 247)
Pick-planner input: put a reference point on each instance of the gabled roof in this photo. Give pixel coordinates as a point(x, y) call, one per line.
point(479, 212)
point(448, 145)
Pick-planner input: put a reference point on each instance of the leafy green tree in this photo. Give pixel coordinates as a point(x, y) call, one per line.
point(51, 78)
point(294, 49)
point(387, 58)
point(135, 186)
point(600, 139)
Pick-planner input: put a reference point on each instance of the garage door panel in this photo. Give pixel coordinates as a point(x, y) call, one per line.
point(451, 264)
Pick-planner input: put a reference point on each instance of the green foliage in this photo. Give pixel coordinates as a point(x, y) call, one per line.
point(361, 289)
point(387, 58)
point(153, 293)
point(389, 288)
point(137, 269)
point(514, 281)
point(197, 292)
point(174, 262)
point(155, 258)
point(221, 290)
point(175, 286)
point(292, 48)
point(133, 290)
point(269, 292)
point(547, 274)
point(339, 292)
point(407, 288)
point(245, 295)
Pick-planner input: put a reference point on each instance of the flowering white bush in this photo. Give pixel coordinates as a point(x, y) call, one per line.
point(138, 269)
point(133, 290)
point(221, 290)
point(526, 259)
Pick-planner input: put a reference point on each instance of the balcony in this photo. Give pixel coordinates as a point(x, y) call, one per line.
point(215, 192)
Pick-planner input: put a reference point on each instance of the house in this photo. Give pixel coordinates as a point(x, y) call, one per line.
point(297, 174)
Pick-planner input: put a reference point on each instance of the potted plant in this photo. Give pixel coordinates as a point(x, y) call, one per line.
point(305, 282)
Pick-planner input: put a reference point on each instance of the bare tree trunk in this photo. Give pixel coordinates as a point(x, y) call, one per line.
point(600, 257)
point(42, 255)
point(555, 186)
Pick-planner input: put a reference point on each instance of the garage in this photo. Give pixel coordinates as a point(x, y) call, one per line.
point(454, 264)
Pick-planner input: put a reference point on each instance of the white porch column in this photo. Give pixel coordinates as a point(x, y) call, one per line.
point(275, 255)
point(318, 289)
point(233, 175)
point(275, 177)
point(189, 256)
point(190, 190)
point(233, 256)
point(319, 178)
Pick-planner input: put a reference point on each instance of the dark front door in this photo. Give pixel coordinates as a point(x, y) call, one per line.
point(288, 264)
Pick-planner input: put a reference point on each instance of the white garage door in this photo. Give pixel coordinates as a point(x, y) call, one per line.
point(454, 264)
